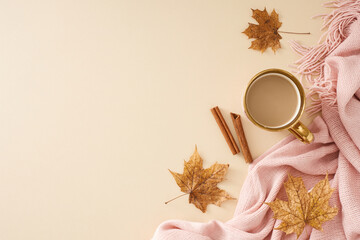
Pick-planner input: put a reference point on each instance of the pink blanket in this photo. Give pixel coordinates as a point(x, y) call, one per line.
point(335, 150)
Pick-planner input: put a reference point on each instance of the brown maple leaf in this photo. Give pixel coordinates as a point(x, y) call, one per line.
point(303, 207)
point(200, 183)
point(266, 32)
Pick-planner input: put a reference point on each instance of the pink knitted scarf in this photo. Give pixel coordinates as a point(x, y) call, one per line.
point(333, 68)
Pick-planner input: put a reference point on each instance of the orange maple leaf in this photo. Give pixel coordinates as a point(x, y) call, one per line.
point(200, 183)
point(266, 32)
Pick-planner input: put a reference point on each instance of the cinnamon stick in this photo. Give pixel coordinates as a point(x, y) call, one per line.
point(241, 136)
point(225, 130)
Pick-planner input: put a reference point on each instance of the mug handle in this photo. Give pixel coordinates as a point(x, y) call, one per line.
point(301, 132)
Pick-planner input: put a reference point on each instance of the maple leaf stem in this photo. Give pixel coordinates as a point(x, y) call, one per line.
point(306, 232)
point(176, 198)
point(294, 32)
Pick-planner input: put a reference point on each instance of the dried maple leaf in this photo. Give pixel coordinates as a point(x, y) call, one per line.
point(266, 33)
point(303, 207)
point(200, 183)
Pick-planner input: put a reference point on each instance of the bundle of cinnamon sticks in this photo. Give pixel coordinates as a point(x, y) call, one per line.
point(236, 119)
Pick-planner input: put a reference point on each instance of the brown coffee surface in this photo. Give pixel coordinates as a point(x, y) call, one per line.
point(273, 100)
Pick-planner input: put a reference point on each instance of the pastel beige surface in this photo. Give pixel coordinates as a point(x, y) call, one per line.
point(100, 98)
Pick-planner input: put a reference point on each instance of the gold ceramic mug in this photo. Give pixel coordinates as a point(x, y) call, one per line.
point(275, 100)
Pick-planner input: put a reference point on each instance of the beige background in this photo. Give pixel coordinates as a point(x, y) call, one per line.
point(99, 98)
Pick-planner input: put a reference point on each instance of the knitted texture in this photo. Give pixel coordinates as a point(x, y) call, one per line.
point(335, 151)
point(311, 66)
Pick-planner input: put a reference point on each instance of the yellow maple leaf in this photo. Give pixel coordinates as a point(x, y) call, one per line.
point(200, 183)
point(303, 207)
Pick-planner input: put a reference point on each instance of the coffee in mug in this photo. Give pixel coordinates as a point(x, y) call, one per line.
point(275, 100)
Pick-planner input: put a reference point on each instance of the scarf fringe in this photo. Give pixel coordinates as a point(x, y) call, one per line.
point(311, 64)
